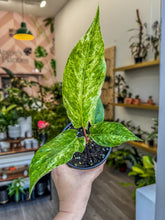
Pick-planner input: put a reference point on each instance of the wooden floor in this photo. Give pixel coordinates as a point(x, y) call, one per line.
point(108, 201)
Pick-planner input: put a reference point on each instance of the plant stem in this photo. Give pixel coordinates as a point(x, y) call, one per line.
point(140, 31)
point(86, 138)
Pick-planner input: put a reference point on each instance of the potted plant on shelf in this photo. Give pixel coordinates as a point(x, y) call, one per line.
point(155, 39)
point(122, 87)
point(153, 136)
point(42, 127)
point(3, 195)
point(139, 49)
point(136, 100)
point(129, 99)
point(150, 100)
point(89, 139)
point(16, 188)
point(138, 132)
point(119, 158)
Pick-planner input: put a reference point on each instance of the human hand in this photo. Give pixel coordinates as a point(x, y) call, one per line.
point(73, 187)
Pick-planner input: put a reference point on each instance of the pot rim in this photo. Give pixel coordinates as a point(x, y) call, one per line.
point(91, 167)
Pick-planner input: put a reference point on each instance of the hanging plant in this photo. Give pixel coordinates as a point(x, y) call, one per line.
point(53, 65)
point(40, 52)
point(38, 65)
point(49, 22)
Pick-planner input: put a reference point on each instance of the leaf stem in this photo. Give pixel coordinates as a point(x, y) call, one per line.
point(86, 138)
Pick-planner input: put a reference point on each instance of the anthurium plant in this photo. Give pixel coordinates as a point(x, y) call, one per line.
point(83, 78)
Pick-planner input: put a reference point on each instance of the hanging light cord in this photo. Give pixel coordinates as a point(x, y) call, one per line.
point(22, 11)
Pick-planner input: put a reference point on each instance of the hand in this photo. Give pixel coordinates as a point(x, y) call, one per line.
point(73, 187)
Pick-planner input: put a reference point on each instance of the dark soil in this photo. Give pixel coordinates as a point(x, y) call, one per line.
point(92, 155)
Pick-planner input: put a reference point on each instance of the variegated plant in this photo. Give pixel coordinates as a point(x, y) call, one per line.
point(82, 81)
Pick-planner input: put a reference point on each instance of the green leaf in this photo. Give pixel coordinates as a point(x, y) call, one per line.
point(38, 65)
point(54, 153)
point(40, 52)
point(148, 162)
point(110, 134)
point(84, 76)
point(99, 113)
point(53, 65)
point(9, 72)
point(137, 170)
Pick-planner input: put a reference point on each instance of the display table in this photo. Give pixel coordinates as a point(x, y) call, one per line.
point(145, 202)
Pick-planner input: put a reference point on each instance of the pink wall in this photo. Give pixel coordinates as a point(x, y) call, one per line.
point(12, 53)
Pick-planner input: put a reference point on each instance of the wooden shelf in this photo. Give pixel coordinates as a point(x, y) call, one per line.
point(13, 177)
point(141, 106)
point(143, 146)
point(22, 74)
point(139, 65)
point(18, 150)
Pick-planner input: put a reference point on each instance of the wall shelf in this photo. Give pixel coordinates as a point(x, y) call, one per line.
point(143, 146)
point(141, 106)
point(137, 66)
point(18, 150)
point(13, 177)
point(22, 74)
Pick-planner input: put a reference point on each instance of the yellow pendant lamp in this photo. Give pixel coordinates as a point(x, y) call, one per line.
point(23, 33)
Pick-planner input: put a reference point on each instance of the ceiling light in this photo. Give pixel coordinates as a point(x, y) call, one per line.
point(23, 33)
point(43, 4)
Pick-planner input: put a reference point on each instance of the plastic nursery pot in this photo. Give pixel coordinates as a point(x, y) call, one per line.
point(3, 195)
point(138, 59)
point(92, 156)
point(120, 99)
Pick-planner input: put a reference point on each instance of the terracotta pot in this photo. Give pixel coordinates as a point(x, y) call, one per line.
point(136, 101)
point(150, 102)
point(128, 100)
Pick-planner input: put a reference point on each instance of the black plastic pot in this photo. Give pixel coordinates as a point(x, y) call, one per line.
point(151, 142)
point(120, 99)
point(138, 59)
point(3, 195)
point(123, 168)
point(40, 188)
point(43, 138)
point(90, 167)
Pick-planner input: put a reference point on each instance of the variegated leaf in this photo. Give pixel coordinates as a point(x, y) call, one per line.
point(84, 76)
point(54, 153)
point(111, 134)
point(98, 113)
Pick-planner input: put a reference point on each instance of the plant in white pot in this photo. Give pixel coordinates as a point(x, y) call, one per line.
point(4, 120)
point(13, 127)
point(83, 78)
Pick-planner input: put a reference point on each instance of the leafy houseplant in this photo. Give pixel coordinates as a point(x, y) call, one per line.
point(83, 78)
point(139, 48)
point(122, 87)
point(155, 39)
point(120, 157)
point(144, 174)
point(16, 187)
point(153, 136)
